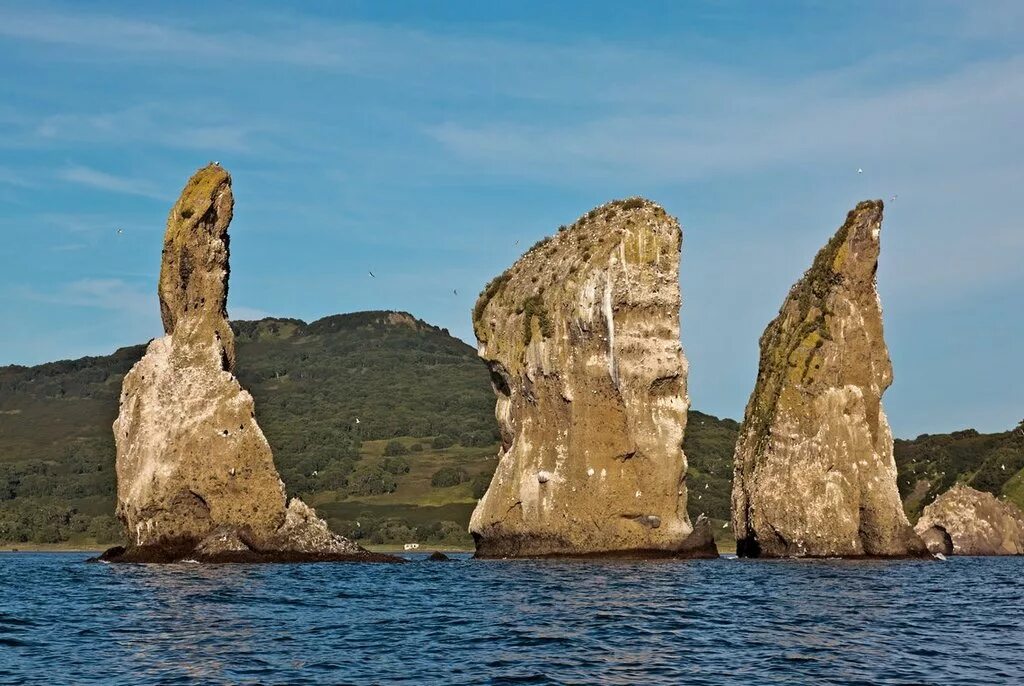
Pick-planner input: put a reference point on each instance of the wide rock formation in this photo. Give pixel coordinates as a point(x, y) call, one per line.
point(814, 470)
point(582, 339)
point(963, 521)
point(195, 475)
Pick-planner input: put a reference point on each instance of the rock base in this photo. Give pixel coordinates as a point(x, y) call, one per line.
point(699, 545)
point(188, 551)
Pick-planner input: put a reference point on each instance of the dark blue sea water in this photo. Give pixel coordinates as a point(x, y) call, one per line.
point(524, 622)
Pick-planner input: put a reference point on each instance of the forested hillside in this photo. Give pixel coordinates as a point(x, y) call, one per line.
point(381, 421)
point(322, 390)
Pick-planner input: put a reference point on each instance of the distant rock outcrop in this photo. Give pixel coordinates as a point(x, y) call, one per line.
point(582, 339)
point(814, 469)
point(195, 475)
point(963, 521)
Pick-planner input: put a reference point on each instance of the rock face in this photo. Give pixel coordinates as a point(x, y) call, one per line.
point(814, 470)
point(582, 339)
point(195, 475)
point(963, 521)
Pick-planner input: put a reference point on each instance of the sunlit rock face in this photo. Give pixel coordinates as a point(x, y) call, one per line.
point(963, 521)
point(814, 468)
point(582, 339)
point(195, 475)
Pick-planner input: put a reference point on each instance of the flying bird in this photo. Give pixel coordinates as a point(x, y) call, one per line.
point(859, 170)
point(120, 231)
point(372, 274)
point(455, 291)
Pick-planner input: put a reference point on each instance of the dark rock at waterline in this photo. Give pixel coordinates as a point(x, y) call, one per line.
point(438, 556)
point(184, 552)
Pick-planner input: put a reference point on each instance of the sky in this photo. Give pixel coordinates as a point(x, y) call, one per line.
point(422, 140)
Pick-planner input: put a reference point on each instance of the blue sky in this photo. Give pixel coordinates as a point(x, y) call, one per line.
point(422, 140)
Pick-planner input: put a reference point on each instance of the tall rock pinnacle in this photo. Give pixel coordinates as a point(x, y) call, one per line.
point(195, 475)
point(193, 285)
point(582, 339)
point(814, 468)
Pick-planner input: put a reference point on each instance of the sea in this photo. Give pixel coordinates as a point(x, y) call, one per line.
point(724, 621)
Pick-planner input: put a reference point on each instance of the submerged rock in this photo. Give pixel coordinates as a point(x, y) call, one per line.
point(195, 475)
point(814, 469)
point(581, 336)
point(963, 521)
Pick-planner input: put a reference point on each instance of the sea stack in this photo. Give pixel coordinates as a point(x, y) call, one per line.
point(581, 336)
point(814, 469)
point(963, 521)
point(195, 475)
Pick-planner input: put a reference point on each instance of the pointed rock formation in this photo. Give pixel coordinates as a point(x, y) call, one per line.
point(963, 521)
point(195, 475)
point(814, 469)
point(582, 339)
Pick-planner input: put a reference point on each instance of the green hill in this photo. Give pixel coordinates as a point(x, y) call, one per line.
point(328, 395)
point(381, 421)
point(930, 464)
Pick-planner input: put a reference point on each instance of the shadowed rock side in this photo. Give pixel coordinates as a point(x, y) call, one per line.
point(195, 475)
point(963, 521)
point(582, 339)
point(814, 470)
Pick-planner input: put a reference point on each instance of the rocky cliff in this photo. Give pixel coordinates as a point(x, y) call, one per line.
point(963, 521)
point(814, 470)
point(581, 336)
point(195, 475)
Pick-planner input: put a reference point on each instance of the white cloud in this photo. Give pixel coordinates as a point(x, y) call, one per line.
point(745, 126)
point(244, 313)
point(93, 178)
point(9, 177)
point(170, 125)
point(101, 294)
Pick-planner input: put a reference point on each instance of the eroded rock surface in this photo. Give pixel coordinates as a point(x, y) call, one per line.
point(964, 521)
point(814, 469)
point(195, 475)
point(582, 339)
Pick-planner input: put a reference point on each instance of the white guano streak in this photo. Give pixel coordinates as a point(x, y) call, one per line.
point(610, 320)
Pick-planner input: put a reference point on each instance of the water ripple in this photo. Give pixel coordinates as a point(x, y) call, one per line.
point(528, 622)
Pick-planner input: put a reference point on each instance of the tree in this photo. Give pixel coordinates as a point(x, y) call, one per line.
point(449, 476)
point(394, 448)
point(371, 480)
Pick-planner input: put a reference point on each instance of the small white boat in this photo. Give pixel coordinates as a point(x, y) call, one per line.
point(412, 546)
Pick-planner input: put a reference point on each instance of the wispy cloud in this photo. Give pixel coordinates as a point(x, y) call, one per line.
point(94, 178)
point(9, 177)
point(101, 294)
point(69, 247)
point(242, 312)
point(747, 126)
point(190, 126)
